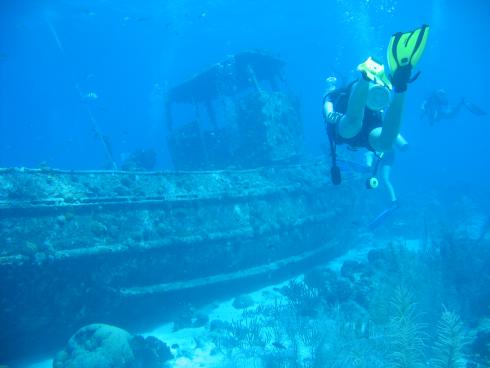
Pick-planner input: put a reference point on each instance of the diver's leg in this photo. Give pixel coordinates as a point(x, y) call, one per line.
point(401, 143)
point(382, 139)
point(473, 108)
point(386, 175)
point(351, 122)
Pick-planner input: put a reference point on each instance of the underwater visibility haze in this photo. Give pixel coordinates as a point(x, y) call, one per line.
point(175, 192)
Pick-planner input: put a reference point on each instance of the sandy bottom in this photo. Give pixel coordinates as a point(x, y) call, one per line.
point(200, 350)
point(186, 339)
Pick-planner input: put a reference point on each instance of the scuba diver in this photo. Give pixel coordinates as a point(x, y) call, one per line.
point(436, 107)
point(367, 113)
point(348, 161)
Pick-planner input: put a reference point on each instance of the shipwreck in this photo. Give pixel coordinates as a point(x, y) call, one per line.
point(126, 247)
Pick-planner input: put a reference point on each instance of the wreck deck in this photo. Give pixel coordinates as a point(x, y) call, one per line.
point(79, 247)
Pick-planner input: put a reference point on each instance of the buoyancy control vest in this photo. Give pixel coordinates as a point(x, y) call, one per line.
point(372, 119)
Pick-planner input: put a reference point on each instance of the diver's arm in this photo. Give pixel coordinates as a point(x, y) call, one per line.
point(331, 116)
point(451, 112)
point(327, 107)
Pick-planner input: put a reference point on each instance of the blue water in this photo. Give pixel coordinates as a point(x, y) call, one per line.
point(62, 62)
point(130, 53)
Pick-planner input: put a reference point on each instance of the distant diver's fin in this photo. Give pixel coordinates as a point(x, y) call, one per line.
point(407, 48)
point(378, 220)
point(474, 109)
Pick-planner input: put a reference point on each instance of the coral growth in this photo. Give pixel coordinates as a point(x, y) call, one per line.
point(451, 340)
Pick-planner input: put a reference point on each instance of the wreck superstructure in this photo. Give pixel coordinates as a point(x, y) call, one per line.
point(241, 118)
point(122, 247)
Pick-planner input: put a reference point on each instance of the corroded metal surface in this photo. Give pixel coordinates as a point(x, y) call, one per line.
point(79, 247)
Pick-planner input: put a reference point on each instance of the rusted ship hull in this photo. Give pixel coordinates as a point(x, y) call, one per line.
point(83, 247)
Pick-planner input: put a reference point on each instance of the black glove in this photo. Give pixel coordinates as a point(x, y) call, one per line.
point(401, 78)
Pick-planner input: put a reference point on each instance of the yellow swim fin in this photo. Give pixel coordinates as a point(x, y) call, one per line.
point(407, 48)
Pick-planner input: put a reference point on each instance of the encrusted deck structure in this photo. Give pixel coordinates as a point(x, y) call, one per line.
point(79, 247)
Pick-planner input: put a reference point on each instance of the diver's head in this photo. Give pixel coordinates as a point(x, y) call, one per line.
point(330, 84)
point(441, 96)
point(378, 97)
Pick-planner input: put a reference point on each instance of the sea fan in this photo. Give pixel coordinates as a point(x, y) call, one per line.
point(450, 342)
point(407, 336)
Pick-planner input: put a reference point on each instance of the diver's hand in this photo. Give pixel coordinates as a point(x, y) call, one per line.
point(334, 117)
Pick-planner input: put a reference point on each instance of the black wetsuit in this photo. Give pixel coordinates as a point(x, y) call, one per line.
point(372, 119)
